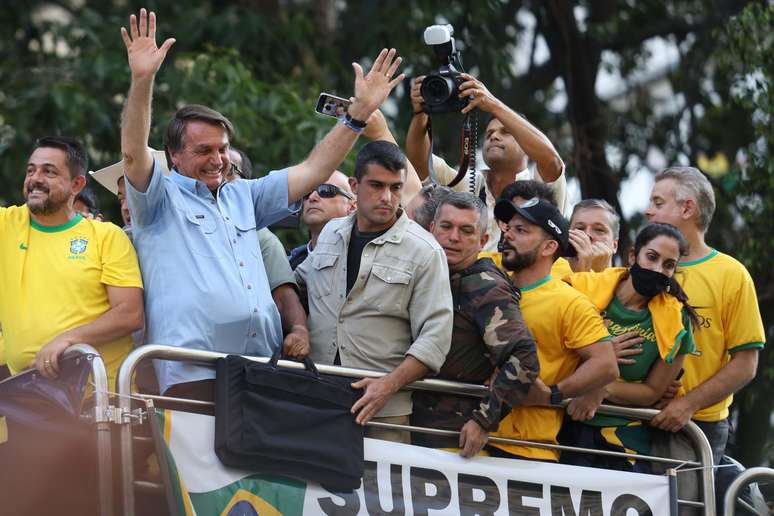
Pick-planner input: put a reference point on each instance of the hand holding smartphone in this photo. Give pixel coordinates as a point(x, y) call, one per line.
point(331, 105)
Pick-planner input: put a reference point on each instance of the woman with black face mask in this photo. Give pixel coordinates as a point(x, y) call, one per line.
point(649, 320)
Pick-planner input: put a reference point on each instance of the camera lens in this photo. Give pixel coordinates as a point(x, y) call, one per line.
point(436, 89)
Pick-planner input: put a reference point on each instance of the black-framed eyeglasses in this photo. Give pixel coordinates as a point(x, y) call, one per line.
point(329, 191)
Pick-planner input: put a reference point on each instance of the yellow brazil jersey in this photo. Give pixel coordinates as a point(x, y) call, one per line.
point(561, 320)
point(559, 270)
point(723, 293)
point(53, 279)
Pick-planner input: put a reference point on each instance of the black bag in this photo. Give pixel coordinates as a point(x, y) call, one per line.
point(289, 422)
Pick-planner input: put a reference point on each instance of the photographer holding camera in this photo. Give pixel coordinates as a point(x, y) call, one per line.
point(509, 141)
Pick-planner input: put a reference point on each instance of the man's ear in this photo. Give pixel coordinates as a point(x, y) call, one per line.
point(550, 248)
point(615, 246)
point(484, 240)
point(689, 209)
point(78, 184)
point(353, 185)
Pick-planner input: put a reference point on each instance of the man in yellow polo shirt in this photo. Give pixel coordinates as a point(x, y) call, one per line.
point(720, 288)
point(64, 279)
point(573, 345)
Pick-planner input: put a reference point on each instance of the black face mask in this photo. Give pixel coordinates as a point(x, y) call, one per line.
point(647, 282)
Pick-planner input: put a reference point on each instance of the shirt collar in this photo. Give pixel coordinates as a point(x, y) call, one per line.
point(394, 235)
point(188, 183)
point(185, 182)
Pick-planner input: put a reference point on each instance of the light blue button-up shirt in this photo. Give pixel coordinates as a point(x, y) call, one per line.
point(205, 282)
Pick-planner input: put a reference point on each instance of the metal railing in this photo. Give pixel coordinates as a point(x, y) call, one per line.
point(748, 476)
point(102, 422)
point(208, 358)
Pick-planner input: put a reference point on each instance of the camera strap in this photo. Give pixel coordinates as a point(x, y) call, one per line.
point(468, 144)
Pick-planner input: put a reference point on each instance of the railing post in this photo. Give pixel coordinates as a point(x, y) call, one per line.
point(707, 471)
point(101, 406)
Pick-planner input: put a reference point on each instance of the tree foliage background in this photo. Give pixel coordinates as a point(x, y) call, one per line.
point(263, 63)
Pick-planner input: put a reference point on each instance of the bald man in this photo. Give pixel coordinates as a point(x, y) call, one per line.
point(330, 200)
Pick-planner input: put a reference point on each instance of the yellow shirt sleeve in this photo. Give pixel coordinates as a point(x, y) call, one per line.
point(744, 326)
point(583, 325)
point(120, 267)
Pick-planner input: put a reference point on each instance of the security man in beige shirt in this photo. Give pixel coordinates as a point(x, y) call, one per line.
point(377, 291)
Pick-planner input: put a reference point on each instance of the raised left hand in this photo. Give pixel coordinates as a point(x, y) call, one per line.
point(47, 359)
point(372, 88)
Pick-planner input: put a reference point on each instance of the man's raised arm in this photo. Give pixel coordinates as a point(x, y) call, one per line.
point(536, 145)
point(370, 91)
point(145, 58)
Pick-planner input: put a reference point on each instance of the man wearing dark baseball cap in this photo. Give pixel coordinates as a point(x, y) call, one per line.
point(540, 213)
point(574, 349)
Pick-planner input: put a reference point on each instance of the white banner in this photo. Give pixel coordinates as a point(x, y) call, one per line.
point(411, 480)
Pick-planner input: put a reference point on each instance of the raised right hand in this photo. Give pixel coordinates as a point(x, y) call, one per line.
point(145, 57)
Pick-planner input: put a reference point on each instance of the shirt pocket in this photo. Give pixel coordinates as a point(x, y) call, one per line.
point(247, 235)
point(201, 233)
point(324, 265)
point(388, 289)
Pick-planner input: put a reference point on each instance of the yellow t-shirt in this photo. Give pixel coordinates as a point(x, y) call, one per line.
point(561, 319)
point(559, 269)
point(53, 279)
point(723, 293)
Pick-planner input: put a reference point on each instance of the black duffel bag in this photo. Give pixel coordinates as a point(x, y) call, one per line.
point(289, 422)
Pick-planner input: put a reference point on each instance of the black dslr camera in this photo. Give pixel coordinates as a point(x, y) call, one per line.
point(440, 90)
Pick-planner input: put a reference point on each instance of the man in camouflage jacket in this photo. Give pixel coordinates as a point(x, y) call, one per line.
point(490, 340)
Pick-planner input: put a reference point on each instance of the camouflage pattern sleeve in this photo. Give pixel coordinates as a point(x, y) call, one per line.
point(510, 348)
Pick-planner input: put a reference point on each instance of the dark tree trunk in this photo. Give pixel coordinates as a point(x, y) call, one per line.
point(577, 55)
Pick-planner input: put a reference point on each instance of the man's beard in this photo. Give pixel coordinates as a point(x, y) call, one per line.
point(519, 261)
point(50, 205)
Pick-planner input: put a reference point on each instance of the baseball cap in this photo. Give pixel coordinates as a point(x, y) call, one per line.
point(541, 213)
point(108, 176)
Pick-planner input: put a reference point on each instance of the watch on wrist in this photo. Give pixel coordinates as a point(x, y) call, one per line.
point(355, 122)
point(556, 395)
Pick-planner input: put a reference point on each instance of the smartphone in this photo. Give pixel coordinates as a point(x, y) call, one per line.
point(331, 105)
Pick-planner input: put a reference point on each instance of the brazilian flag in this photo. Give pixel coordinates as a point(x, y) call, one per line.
point(198, 484)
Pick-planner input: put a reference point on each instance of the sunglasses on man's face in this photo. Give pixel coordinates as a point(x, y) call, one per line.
point(328, 191)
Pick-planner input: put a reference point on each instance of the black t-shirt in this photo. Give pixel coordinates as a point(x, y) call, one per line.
point(357, 243)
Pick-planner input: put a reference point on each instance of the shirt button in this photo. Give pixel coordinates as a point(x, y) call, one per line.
point(241, 264)
point(249, 286)
point(255, 310)
point(365, 254)
point(341, 319)
point(234, 241)
point(253, 334)
point(228, 218)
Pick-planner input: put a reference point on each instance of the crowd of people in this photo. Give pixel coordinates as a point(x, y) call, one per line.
point(485, 283)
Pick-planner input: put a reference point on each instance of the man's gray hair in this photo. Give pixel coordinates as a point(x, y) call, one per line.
point(612, 215)
point(465, 201)
point(433, 193)
point(691, 183)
